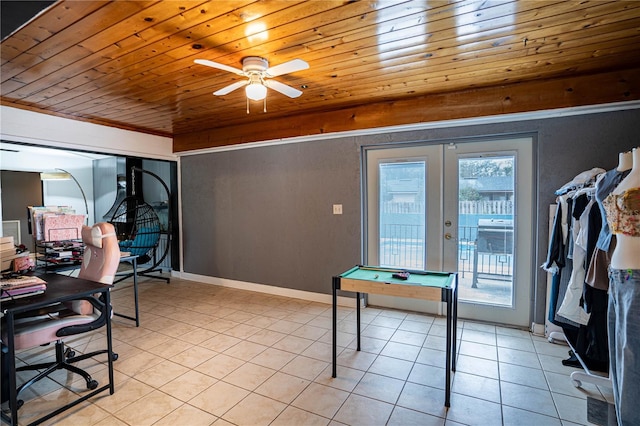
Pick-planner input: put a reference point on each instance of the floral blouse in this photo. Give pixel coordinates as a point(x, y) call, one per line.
point(623, 212)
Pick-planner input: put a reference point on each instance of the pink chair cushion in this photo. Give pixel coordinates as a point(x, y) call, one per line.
point(92, 236)
point(100, 261)
point(36, 331)
point(101, 254)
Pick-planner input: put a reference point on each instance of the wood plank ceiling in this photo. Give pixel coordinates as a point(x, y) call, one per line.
point(129, 64)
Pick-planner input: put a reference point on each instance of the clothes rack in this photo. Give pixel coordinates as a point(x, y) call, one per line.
point(573, 222)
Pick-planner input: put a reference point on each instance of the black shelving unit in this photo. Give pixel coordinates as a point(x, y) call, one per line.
point(59, 255)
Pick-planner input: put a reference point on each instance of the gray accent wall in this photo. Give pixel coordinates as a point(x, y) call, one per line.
point(264, 215)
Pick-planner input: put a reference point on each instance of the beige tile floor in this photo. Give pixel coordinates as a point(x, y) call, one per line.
point(208, 355)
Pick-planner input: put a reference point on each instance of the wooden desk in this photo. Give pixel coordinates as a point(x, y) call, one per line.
point(426, 285)
point(60, 288)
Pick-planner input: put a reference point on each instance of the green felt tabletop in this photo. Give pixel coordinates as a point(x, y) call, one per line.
point(384, 275)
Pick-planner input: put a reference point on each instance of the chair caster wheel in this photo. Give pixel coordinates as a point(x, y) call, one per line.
point(92, 384)
point(69, 353)
point(114, 357)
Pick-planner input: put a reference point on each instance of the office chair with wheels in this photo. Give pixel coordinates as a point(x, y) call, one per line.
point(100, 263)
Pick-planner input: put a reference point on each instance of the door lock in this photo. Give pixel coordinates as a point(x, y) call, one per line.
point(448, 236)
point(447, 223)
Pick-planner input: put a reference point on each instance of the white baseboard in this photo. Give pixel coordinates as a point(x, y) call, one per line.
point(537, 329)
point(264, 288)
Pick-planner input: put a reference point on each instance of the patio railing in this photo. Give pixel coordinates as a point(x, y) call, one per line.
point(404, 245)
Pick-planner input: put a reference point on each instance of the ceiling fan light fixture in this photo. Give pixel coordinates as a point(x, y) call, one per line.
point(259, 77)
point(256, 91)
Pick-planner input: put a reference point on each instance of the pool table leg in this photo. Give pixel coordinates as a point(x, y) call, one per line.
point(358, 317)
point(447, 385)
point(455, 326)
point(335, 323)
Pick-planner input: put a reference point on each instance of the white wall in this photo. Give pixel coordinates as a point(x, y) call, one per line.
point(41, 130)
point(46, 130)
point(67, 193)
point(55, 193)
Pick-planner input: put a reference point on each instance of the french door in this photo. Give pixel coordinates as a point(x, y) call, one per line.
point(464, 207)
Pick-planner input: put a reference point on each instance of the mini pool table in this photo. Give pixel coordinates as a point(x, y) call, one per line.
point(427, 285)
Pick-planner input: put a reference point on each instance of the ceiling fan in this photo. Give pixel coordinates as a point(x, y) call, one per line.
point(259, 75)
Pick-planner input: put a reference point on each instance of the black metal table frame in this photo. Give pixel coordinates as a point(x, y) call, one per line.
point(448, 295)
point(134, 263)
point(60, 288)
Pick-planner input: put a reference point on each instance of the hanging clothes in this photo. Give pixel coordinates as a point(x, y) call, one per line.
point(597, 273)
point(558, 262)
point(571, 306)
point(580, 312)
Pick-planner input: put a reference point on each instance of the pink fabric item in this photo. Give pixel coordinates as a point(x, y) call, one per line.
point(36, 331)
point(62, 226)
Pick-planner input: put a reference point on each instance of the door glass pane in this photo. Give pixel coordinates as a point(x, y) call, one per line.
point(402, 214)
point(486, 202)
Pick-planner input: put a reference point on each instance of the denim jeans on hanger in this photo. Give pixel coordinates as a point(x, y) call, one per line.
point(624, 343)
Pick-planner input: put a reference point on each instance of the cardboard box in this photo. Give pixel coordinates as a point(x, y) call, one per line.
point(7, 262)
point(6, 244)
point(6, 240)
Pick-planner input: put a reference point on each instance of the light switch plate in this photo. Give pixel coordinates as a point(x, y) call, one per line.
point(337, 209)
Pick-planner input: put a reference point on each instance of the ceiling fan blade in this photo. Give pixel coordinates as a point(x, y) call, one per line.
point(282, 88)
point(287, 67)
point(230, 88)
point(223, 67)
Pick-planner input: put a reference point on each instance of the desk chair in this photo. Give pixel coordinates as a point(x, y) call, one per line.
point(100, 263)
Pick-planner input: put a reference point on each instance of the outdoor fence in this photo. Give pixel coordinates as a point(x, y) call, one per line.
point(499, 207)
point(402, 236)
point(404, 245)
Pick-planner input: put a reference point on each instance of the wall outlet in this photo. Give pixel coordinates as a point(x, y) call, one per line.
point(337, 209)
